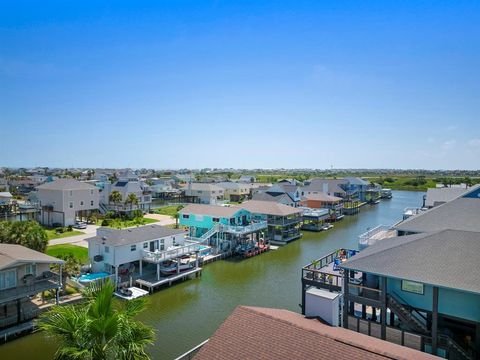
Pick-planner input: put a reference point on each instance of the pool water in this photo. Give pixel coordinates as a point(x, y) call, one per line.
point(92, 276)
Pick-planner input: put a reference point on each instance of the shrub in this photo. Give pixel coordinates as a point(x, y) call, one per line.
point(69, 228)
point(105, 222)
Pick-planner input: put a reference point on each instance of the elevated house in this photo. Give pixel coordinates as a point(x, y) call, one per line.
point(202, 193)
point(421, 287)
point(125, 186)
point(24, 273)
point(235, 191)
point(283, 221)
point(224, 227)
point(136, 252)
point(63, 201)
point(332, 187)
point(247, 179)
point(322, 200)
point(281, 198)
point(286, 188)
point(439, 196)
point(357, 188)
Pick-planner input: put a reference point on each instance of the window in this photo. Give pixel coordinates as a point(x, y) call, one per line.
point(8, 279)
point(413, 287)
point(162, 241)
point(31, 269)
point(81, 203)
point(185, 216)
point(71, 205)
point(71, 193)
point(162, 247)
point(145, 245)
point(107, 249)
point(215, 219)
point(91, 192)
point(91, 203)
point(133, 247)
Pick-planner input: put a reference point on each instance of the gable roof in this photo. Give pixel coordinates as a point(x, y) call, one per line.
point(11, 254)
point(357, 181)
point(242, 336)
point(436, 196)
point(211, 210)
point(202, 187)
point(118, 237)
point(269, 208)
point(462, 213)
point(66, 184)
point(425, 258)
point(268, 196)
point(316, 184)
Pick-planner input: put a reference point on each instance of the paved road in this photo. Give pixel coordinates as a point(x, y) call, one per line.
point(91, 230)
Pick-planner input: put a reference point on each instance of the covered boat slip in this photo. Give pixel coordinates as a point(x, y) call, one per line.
point(315, 219)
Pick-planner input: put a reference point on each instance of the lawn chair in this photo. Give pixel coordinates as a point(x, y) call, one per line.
point(336, 263)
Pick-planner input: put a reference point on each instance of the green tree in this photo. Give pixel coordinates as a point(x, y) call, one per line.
point(132, 199)
point(115, 197)
point(26, 233)
point(99, 328)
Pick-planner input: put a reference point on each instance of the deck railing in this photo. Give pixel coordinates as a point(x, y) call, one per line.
point(371, 236)
point(189, 355)
point(47, 281)
point(156, 257)
point(239, 229)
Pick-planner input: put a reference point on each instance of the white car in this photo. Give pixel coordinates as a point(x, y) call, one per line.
point(80, 225)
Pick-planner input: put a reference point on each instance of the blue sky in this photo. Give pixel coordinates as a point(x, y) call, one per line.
point(247, 84)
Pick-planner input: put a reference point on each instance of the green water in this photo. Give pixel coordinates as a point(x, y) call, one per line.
point(188, 313)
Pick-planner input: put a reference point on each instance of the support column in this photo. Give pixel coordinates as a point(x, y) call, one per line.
point(158, 271)
point(19, 312)
point(435, 320)
point(352, 304)
point(141, 267)
point(345, 299)
point(116, 274)
point(383, 311)
point(178, 265)
point(304, 290)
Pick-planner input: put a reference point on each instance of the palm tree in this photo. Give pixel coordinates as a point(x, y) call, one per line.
point(132, 199)
point(115, 197)
point(177, 215)
point(99, 328)
point(26, 233)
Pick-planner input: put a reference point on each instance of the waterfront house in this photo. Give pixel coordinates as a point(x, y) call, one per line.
point(291, 336)
point(5, 198)
point(247, 179)
point(224, 227)
point(133, 251)
point(128, 184)
point(332, 187)
point(286, 188)
point(203, 193)
point(422, 290)
point(235, 191)
point(280, 198)
point(63, 201)
point(283, 221)
point(322, 200)
point(24, 273)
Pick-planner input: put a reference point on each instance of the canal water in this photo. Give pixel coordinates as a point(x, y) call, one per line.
point(188, 313)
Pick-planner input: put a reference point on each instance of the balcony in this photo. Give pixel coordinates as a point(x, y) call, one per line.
point(371, 236)
point(169, 254)
point(46, 282)
point(242, 230)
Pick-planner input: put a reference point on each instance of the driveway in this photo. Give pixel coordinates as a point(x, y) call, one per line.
point(78, 240)
point(162, 219)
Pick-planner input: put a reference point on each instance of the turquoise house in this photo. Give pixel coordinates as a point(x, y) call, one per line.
point(201, 218)
point(421, 291)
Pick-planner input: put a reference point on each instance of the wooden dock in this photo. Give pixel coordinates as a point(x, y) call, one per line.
point(154, 283)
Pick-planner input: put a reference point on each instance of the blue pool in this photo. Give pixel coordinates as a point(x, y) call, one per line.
point(92, 276)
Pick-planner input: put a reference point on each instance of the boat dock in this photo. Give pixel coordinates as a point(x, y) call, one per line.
point(153, 284)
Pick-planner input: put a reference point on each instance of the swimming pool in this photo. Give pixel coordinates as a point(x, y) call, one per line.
point(92, 276)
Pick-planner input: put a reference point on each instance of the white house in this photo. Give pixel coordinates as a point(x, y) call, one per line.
point(120, 251)
point(63, 201)
point(126, 187)
point(204, 193)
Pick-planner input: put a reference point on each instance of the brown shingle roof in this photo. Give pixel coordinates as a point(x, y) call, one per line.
point(262, 333)
point(11, 254)
point(269, 208)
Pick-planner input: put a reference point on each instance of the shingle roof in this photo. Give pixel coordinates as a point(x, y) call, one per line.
point(118, 237)
point(202, 187)
point(316, 184)
point(436, 196)
point(269, 208)
point(262, 333)
point(211, 210)
point(357, 181)
point(66, 184)
point(425, 258)
point(11, 254)
point(462, 213)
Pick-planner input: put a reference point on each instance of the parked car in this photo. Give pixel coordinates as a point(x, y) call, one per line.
point(80, 225)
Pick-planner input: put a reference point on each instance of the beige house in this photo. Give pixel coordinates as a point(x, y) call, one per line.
point(63, 201)
point(235, 191)
point(203, 193)
point(23, 273)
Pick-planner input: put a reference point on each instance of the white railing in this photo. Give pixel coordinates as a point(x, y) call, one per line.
point(244, 229)
point(159, 256)
point(371, 236)
point(411, 211)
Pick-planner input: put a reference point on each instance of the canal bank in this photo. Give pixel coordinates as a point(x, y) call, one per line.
point(188, 313)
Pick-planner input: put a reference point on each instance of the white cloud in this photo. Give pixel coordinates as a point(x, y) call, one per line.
point(449, 144)
point(474, 143)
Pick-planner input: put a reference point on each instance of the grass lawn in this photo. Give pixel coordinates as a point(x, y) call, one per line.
point(167, 210)
point(53, 235)
point(121, 224)
point(79, 252)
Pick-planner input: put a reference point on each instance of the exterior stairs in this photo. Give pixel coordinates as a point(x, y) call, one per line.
point(406, 316)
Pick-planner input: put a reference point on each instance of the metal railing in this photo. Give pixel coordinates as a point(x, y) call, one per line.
point(189, 355)
point(46, 282)
point(239, 229)
point(161, 256)
point(371, 236)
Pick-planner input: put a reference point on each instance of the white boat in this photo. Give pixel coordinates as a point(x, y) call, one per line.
point(170, 267)
point(327, 226)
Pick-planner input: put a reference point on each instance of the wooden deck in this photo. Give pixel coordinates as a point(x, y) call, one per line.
point(151, 282)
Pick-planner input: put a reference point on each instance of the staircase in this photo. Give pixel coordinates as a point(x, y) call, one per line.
point(103, 208)
point(415, 321)
point(204, 238)
point(455, 351)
